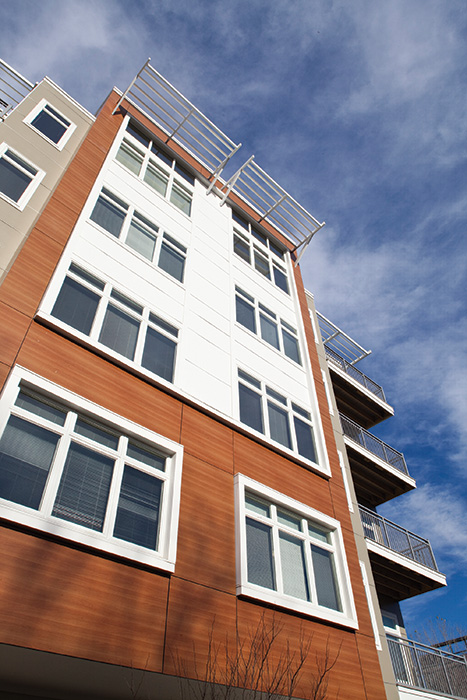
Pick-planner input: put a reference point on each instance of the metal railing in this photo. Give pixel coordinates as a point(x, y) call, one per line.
point(355, 373)
point(373, 444)
point(13, 88)
point(419, 666)
point(396, 538)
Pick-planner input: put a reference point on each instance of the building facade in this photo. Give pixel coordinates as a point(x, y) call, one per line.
point(179, 498)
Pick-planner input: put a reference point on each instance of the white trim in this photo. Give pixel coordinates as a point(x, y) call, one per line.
point(345, 480)
point(45, 522)
point(371, 607)
point(405, 562)
point(326, 391)
point(41, 106)
point(348, 617)
point(68, 97)
point(35, 179)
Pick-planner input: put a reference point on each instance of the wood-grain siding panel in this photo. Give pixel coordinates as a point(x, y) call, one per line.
point(62, 361)
point(62, 600)
point(371, 669)
point(13, 327)
point(207, 439)
point(271, 469)
point(297, 633)
point(206, 537)
point(196, 614)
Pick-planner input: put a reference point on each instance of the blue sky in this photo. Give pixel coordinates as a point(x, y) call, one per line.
point(358, 109)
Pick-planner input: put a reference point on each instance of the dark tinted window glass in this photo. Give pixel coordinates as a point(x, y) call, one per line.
point(269, 331)
point(242, 248)
point(119, 332)
point(291, 346)
point(138, 509)
point(326, 588)
point(13, 182)
point(245, 314)
point(279, 425)
point(172, 262)
point(280, 279)
point(109, 216)
point(76, 305)
point(306, 445)
point(159, 354)
point(259, 554)
point(250, 408)
point(49, 126)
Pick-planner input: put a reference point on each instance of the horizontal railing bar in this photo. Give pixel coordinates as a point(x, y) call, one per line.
point(355, 373)
point(373, 444)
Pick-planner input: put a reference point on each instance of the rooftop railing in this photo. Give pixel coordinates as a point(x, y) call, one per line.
point(355, 373)
point(373, 444)
point(427, 668)
point(13, 88)
point(396, 538)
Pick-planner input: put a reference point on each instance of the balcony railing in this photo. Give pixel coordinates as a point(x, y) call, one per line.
point(396, 538)
point(428, 668)
point(373, 444)
point(355, 373)
point(13, 88)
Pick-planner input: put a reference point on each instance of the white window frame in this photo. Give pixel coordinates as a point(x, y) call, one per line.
point(264, 249)
point(42, 106)
point(162, 237)
point(290, 408)
point(35, 178)
point(174, 182)
point(281, 325)
point(42, 519)
point(106, 298)
point(348, 616)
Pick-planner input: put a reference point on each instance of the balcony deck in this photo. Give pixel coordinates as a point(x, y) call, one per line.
point(379, 471)
point(428, 668)
point(403, 563)
point(358, 396)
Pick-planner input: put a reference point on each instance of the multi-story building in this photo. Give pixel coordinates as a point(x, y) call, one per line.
point(182, 510)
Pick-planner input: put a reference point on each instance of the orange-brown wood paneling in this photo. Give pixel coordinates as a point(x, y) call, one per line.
point(207, 439)
point(13, 327)
point(273, 470)
point(196, 614)
point(206, 538)
point(59, 599)
point(371, 669)
point(62, 361)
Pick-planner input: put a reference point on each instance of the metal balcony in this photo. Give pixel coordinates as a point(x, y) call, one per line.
point(428, 668)
point(355, 373)
point(13, 88)
point(373, 444)
point(397, 539)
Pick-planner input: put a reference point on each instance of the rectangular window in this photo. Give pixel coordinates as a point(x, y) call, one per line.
point(269, 412)
point(50, 123)
point(139, 233)
point(156, 168)
point(290, 555)
point(75, 470)
point(264, 258)
point(18, 177)
point(276, 332)
point(114, 321)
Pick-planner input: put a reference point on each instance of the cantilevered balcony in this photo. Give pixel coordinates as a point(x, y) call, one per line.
point(358, 396)
point(403, 563)
point(379, 471)
point(425, 668)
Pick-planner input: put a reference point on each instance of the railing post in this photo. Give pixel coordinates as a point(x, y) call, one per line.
point(446, 674)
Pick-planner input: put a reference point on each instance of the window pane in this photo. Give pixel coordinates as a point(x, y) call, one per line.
point(156, 179)
point(84, 488)
point(259, 554)
point(242, 248)
point(279, 425)
point(130, 158)
point(41, 408)
point(319, 533)
point(325, 578)
point(257, 505)
point(159, 354)
point(289, 519)
point(26, 453)
point(250, 408)
point(262, 265)
point(96, 432)
point(305, 441)
point(172, 262)
point(119, 332)
point(245, 314)
point(291, 346)
point(138, 509)
point(141, 240)
point(146, 456)
point(49, 126)
point(13, 182)
point(280, 279)
point(293, 567)
point(181, 199)
point(109, 216)
point(76, 305)
point(269, 331)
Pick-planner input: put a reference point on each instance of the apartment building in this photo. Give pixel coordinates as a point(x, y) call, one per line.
point(179, 498)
